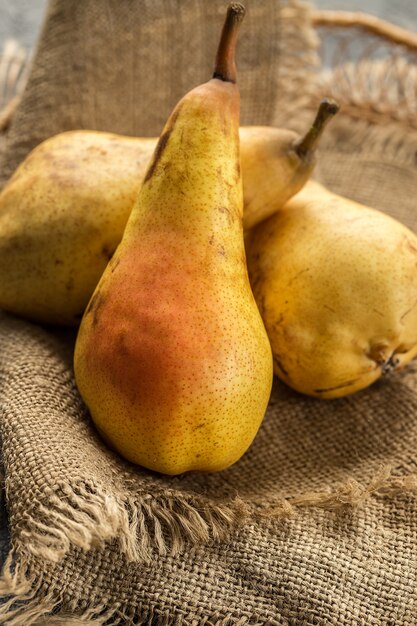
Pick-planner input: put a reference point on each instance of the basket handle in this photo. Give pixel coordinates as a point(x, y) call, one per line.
point(373, 24)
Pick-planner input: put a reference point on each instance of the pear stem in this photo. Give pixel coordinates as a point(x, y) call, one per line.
point(308, 144)
point(225, 67)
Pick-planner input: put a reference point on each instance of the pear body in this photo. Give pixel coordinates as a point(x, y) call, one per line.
point(272, 170)
point(336, 285)
point(172, 357)
point(63, 212)
point(62, 215)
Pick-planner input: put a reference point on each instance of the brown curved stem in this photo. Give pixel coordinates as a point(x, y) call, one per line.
point(225, 66)
point(373, 24)
point(308, 144)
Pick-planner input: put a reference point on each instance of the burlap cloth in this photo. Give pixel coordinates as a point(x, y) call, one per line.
point(317, 523)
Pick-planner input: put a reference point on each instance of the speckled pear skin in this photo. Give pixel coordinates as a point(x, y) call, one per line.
point(336, 284)
point(63, 212)
point(62, 215)
point(276, 163)
point(172, 357)
point(272, 170)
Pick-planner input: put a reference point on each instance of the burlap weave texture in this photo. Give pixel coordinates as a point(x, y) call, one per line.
point(316, 525)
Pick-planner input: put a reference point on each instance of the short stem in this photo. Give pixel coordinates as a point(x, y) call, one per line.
point(225, 67)
point(308, 144)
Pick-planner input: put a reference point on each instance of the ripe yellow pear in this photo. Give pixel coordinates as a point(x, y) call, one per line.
point(336, 285)
point(62, 216)
point(63, 212)
point(172, 357)
point(276, 164)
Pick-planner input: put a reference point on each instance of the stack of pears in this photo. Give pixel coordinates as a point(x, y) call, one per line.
point(64, 211)
point(142, 242)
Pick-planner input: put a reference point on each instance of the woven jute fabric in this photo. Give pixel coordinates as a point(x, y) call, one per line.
point(316, 525)
point(122, 66)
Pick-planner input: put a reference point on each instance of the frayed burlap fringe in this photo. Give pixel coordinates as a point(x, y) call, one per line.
point(380, 96)
point(87, 517)
point(27, 602)
point(352, 494)
point(20, 593)
point(377, 90)
point(84, 517)
point(386, 143)
point(348, 495)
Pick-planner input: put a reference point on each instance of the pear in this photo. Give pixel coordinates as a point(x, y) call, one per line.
point(172, 357)
point(276, 163)
point(63, 212)
point(62, 216)
point(336, 284)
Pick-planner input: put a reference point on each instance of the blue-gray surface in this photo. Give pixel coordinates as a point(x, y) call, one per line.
point(21, 20)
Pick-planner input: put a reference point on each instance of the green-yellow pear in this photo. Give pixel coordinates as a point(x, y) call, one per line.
point(63, 212)
point(172, 357)
point(336, 285)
